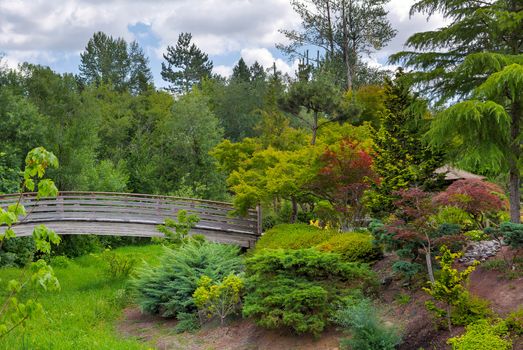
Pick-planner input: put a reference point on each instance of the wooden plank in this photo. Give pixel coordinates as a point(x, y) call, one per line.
point(134, 208)
point(109, 212)
point(134, 230)
point(99, 217)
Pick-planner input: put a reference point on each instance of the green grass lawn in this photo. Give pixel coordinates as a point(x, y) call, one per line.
point(83, 314)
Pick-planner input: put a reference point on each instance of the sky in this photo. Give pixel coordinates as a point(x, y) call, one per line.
point(55, 32)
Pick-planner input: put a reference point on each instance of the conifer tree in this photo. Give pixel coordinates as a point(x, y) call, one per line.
point(401, 159)
point(241, 72)
point(186, 65)
point(477, 61)
point(108, 60)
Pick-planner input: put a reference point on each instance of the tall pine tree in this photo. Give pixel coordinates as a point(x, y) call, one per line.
point(186, 65)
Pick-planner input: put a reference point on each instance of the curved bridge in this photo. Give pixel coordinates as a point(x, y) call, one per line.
point(127, 214)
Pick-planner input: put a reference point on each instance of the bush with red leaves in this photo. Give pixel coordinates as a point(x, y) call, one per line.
point(345, 174)
point(480, 199)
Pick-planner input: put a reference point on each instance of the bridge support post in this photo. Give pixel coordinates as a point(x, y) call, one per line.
point(259, 219)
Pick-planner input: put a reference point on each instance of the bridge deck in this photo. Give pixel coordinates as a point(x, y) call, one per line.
point(124, 214)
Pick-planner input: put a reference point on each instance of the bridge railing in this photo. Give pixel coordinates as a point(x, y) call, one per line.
point(132, 213)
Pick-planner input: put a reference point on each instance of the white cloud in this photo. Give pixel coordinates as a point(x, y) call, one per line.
point(264, 57)
point(42, 30)
point(224, 71)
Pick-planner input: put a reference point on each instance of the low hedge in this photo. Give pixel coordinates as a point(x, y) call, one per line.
point(293, 236)
point(352, 247)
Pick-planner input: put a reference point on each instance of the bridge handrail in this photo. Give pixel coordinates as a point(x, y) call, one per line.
point(61, 193)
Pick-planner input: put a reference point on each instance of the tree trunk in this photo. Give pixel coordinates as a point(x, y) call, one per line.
point(330, 33)
point(449, 319)
point(294, 214)
point(428, 260)
point(514, 174)
point(314, 129)
point(346, 53)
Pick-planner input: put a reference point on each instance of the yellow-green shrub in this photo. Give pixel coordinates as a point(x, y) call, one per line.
point(482, 335)
point(352, 246)
point(218, 299)
point(293, 236)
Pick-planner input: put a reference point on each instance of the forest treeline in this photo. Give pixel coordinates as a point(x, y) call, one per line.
point(113, 130)
point(313, 143)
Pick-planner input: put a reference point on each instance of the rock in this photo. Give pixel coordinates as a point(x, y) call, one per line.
point(480, 251)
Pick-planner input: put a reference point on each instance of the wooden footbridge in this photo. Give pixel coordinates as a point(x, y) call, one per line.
point(136, 215)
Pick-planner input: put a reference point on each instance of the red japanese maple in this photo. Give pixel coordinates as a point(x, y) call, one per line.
point(476, 197)
point(345, 173)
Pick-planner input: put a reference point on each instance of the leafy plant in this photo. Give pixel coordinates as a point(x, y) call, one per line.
point(479, 199)
point(167, 289)
point(299, 289)
point(407, 269)
point(118, 265)
point(353, 247)
point(344, 175)
point(413, 229)
point(17, 251)
point(512, 234)
point(449, 288)
point(514, 322)
point(367, 331)
point(13, 311)
point(60, 261)
point(219, 299)
point(185, 222)
point(482, 335)
point(476, 235)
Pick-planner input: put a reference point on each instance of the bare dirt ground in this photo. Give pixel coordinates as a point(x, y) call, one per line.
point(417, 324)
point(238, 335)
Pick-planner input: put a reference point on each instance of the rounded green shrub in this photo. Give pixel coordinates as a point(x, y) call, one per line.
point(293, 236)
point(299, 289)
point(482, 335)
point(17, 251)
point(352, 247)
point(60, 261)
point(167, 289)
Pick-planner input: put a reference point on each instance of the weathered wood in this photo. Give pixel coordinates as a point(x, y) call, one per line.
point(137, 215)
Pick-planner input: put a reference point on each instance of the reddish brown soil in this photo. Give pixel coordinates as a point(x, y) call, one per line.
point(238, 335)
point(419, 330)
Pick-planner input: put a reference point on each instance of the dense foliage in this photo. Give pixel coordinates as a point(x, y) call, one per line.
point(352, 246)
point(479, 199)
point(293, 236)
point(402, 158)
point(482, 335)
point(367, 332)
point(167, 289)
point(299, 289)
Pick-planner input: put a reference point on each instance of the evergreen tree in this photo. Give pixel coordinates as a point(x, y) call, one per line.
point(107, 60)
point(313, 102)
point(344, 30)
point(241, 72)
point(477, 60)
point(191, 64)
point(257, 72)
point(401, 159)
